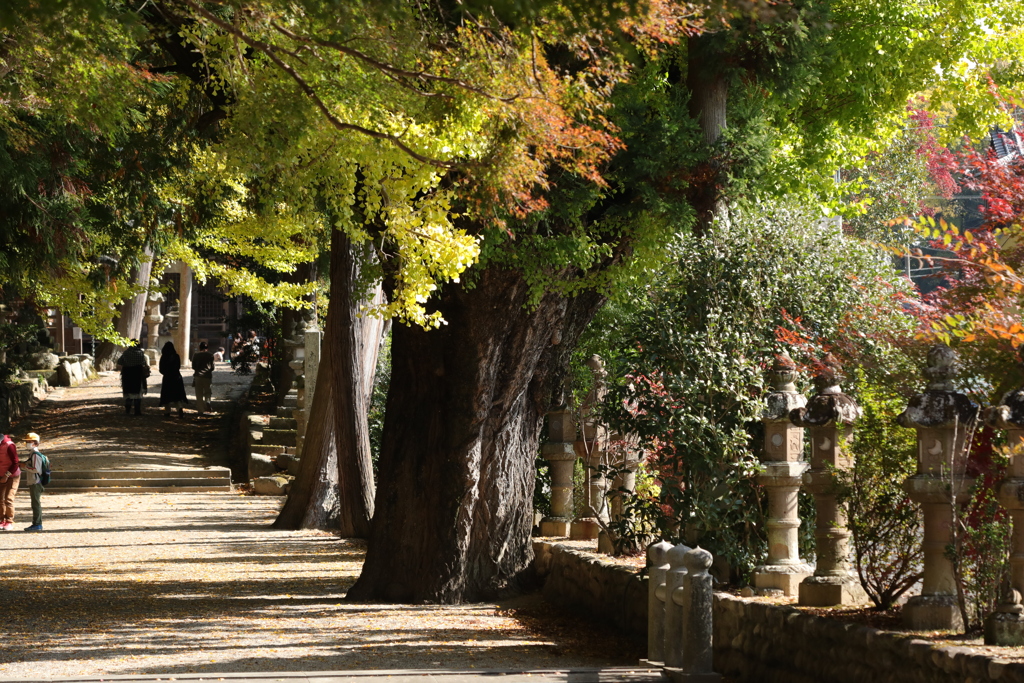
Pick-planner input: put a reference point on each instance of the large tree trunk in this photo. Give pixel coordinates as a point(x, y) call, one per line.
point(464, 414)
point(709, 89)
point(129, 319)
point(334, 489)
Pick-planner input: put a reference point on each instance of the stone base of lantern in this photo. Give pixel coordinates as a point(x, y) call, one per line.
point(830, 591)
point(1004, 629)
point(153, 355)
point(785, 577)
point(679, 676)
point(584, 529)
point(932, 613)
point(555, 527)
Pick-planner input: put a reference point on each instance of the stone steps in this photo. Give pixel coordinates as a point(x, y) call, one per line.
point(180, 480)
point(279, 437)
point(283, 423)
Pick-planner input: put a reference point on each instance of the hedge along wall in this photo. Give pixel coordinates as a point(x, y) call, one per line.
point(758, 642)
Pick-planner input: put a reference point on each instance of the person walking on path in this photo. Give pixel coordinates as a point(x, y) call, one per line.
point(10, 474)
point(172, 389)
point(202, 378)
point(32, 471)
point(134, 371)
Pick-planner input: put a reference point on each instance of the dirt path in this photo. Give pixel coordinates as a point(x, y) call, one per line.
point(85, 427)
point(122, 583)
point(198, 583)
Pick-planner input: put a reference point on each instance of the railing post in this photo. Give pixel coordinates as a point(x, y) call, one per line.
point(673, 611)
point(784, 466)
point(696, 597)
point(828, 419)
point(657, 569)
point(944, 420)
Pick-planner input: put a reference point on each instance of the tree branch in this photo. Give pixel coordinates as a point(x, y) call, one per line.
point(271, 52)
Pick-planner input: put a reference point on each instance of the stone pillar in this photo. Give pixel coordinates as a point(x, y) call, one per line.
point(311, 340)
point(591, 449)
point(183, 334)
point(696, 598)
point(153, 320)
point(783, 468)
point(297, 349)
point(828, 419)
point(657, 569)
point(944, 420)
point(561, 456)
point(673, 610)
point(1005, 626)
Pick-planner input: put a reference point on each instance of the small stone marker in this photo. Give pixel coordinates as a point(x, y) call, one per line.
point(696, 598)
point(673, 611)
point(657, 569)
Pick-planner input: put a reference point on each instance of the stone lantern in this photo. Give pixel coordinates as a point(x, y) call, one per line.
point(153, 320)
point(944, 419)
point(783, 468)
point(561, 456)
point(828, 419)
point(592, 448)
point(1005, 626)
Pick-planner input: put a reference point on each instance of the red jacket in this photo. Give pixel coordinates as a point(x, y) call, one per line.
point(9, 458)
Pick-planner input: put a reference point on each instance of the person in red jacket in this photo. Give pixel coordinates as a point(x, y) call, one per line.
point(10, 475)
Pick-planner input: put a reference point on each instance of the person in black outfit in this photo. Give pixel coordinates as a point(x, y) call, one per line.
point(172, 389)
point(134, 367)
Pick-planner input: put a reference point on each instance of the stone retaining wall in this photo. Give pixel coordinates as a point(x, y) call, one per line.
point(758, 642)
point(585, 583)
point(16, 399)
point(780, 644)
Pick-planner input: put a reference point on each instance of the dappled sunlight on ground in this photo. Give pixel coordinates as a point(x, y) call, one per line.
point(198, 583)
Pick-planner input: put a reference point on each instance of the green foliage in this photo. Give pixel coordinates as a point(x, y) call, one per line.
point(885, 525)
point(378, 400)
point(694, 347)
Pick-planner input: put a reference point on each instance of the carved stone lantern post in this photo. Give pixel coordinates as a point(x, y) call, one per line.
point(153, 320)
point(784, 467)
point(561, 456)
point(944, 420)
point(591, 448)
point(828, 419)
point(1005, 626)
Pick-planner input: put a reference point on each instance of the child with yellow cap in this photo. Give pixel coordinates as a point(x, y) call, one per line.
point(31, 469)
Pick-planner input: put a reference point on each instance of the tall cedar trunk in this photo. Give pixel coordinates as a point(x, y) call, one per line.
point(129, 319)
point(334, 489)
point(464, 413)
point(709, 89)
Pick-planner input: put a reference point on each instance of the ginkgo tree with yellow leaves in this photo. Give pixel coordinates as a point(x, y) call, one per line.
point(499, 168)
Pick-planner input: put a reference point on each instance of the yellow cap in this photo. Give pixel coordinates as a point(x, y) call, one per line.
point(32, 436)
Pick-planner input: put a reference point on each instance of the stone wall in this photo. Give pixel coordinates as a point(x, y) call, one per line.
point(780, 644)
point(758, 642)
point(583, 582)
point(16, 399)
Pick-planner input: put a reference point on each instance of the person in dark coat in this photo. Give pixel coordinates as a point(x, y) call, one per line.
point(172, 389)
point(134, 367)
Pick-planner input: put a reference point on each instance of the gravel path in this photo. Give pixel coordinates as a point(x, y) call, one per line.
point(170, 584)
point(85, 427)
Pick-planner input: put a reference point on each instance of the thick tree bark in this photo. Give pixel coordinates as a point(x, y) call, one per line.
point(334, 489)
point(129, 319)
point(464, 414)
point(709, 89)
